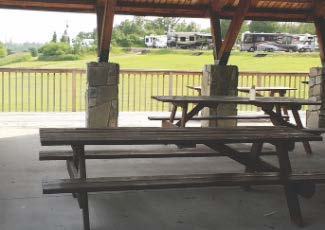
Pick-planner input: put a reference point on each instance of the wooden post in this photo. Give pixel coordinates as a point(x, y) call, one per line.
point(216, 35)
point(170, 87)
point(74, 92)
point(320, 30)
point(233, 31)
point(100, 15)
point(105, 14)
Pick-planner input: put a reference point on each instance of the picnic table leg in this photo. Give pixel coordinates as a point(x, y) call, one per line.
point(184, 115)
point(276, 119)
point(300, 126)
point(290, 192)
point(254, 158)
point(284, 108)
point(190, 114)
point(172, 114)
point(82, 196)
point(170, 123)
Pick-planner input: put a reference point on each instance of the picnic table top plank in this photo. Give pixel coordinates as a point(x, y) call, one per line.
point(258, 88)
point(236, 100)
point(155, 135)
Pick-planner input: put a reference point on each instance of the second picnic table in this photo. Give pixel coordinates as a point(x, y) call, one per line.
point(267, 104)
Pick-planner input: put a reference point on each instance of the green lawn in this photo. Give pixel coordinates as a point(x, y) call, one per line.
point(185, 60)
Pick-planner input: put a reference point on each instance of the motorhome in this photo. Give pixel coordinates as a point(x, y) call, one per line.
point(189, 40)
point(278, 42)
point(156, 41)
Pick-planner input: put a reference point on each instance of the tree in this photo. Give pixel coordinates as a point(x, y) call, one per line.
point(129, 33)
point(54, 37)
point(263, 26)
point(3, 50)
point(84, 42)
point(297, 28)
point(185, 27)
point(55, 49)
point(33, 51)
point(161, 25)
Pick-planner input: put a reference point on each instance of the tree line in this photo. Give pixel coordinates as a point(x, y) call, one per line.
point(130, 33)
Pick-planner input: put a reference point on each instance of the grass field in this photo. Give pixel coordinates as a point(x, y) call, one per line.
point(36, 92)
point(186, 60)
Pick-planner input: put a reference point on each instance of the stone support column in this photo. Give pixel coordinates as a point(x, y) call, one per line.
point(102, 95)
point(316, 113)
point(220, 80)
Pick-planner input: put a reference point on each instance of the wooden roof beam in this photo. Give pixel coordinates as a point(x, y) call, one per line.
point(320, 30)
point(319, 6)
point(216, 35)
point(217, 5)
point(53, 5)
point(233, 31)
point(105, 18)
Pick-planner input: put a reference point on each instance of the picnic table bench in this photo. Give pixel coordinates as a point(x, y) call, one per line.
point(258, 171)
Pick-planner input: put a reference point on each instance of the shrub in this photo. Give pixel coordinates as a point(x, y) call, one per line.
point(14, 58)
point(55, 49)
point(33, 51)
point(3, 51)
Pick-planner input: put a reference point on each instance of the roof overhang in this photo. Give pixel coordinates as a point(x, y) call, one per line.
point(273, 10)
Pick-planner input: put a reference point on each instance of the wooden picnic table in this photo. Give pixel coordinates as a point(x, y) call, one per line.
point(280, 90)
point(267, 104)
point(258, 172)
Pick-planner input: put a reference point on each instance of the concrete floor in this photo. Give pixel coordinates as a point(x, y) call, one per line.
point(23, 207)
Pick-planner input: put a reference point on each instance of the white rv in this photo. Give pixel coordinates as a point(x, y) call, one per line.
point(156, 41)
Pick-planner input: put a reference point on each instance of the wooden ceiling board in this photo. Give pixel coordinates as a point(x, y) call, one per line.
point(277, 10)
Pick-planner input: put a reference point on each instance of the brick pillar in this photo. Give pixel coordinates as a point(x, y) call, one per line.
point(220, 80)
point(102, 95)
point(316, 113)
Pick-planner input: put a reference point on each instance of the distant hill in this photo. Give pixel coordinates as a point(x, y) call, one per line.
point(22, 47)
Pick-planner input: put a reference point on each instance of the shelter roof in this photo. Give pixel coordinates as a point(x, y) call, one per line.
point(279, 10)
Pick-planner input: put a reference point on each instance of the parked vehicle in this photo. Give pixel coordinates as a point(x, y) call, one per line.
point(278, 42)
point(309, 43)
point(156, 41)
point(186, 40)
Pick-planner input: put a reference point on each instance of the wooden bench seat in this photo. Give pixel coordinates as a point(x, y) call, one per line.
point(317, 131)
point(46, 155)
point(229, 117)
point(172, 181)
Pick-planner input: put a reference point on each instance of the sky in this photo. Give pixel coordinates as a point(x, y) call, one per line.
point(38, 26)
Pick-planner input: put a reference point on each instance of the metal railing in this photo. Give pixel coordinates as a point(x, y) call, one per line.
point(63, 90)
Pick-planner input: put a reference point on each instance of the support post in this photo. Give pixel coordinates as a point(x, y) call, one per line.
point(315, 115)
point(102, 95)
point(220, 80)
point(216, 35)
point(105, 18)
point(233, 31)
point(320, 30)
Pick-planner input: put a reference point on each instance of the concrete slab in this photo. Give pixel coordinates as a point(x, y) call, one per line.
point(23, 207)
